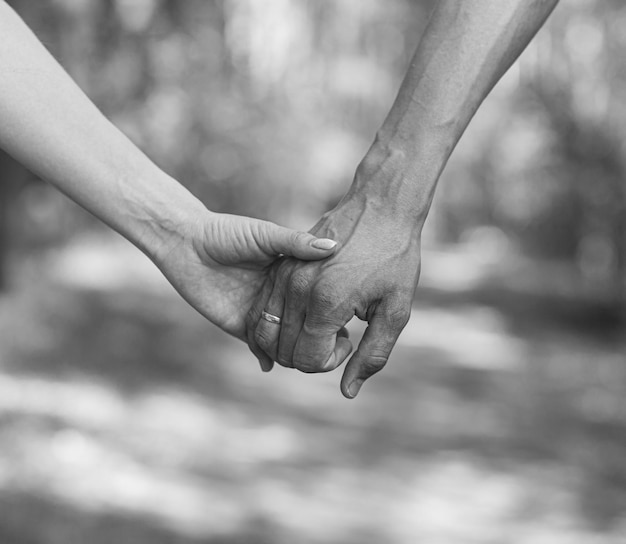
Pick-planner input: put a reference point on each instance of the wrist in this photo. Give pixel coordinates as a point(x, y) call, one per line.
point(168, 217)
point(395, 181)
point(366, 219)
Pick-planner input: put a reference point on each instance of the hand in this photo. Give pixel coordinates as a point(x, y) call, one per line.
point(373, 275)
point(220, 263)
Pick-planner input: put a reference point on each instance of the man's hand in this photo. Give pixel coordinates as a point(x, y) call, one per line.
point(464, 51)
point(220, 263)
point(373, 275)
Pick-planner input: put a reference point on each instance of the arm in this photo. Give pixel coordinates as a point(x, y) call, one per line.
point(466, 48)
point(217, 262)
point(51, 127)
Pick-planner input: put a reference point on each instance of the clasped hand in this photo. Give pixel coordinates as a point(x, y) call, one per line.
point(372, 275)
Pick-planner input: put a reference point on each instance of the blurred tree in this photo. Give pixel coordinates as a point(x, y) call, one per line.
point(11, 173)
point(266, 109)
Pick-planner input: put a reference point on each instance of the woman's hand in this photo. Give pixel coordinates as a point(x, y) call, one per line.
point(220, 263)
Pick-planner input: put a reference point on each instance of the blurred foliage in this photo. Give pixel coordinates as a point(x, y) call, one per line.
point(257, 108)
point(548, 166)
point(124, 417)
point(266, 109)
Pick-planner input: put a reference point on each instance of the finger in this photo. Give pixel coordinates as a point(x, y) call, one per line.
point(276, 240)
point(318, 339)
point(265, 362)
point(343, 348)
point(374, 349)
point(315, 348)
point(253, 317)
point(293, 319)
point(267, 333)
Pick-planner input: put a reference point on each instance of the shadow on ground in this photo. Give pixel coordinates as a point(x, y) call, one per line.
point(124, 417)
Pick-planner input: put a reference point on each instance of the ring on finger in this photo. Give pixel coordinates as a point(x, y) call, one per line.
point(271, 318)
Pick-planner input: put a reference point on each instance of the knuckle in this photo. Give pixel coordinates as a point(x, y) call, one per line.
point(299, 283)
point(263, 338)
point(326, 296)
point(282, 269)
point(298, 238)
point(308, 363)
point(284, 361)
point(398, 317)
point(374, 363)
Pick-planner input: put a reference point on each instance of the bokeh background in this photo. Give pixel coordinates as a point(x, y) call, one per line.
point(501, 418)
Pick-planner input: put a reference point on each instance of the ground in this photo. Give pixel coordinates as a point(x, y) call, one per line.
point(126, 418)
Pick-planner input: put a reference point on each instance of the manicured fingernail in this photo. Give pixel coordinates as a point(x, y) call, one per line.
point(323, 243)
point(265, 366)
point(354, 388)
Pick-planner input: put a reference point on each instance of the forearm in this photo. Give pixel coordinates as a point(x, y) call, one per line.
point(465, 49)
point(49, 125)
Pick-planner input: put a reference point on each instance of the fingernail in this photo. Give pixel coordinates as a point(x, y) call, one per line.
point(265, 367)
point(330, 363)
point(354, 388)
point(323, 243)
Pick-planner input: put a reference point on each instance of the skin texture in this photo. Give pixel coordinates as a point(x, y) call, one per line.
point(464, 51)
point(220, 265)
point(373, 275)
point(217, 262)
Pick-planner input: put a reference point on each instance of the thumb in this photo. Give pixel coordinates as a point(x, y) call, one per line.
point(276, 240)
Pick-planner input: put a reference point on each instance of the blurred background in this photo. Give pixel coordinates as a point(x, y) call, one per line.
point(501, 417)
